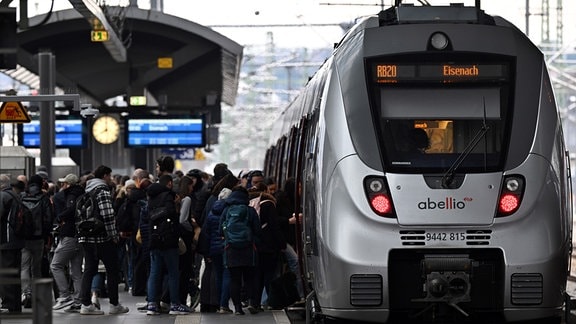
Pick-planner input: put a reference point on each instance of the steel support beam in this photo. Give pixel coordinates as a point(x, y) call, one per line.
point(90, 10)
point(66, 97)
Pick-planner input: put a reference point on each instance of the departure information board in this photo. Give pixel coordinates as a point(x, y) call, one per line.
point(165, 132)
point(69, 133)
point(383, 72)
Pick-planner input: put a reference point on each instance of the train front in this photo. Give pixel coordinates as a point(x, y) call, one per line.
point(461, 171)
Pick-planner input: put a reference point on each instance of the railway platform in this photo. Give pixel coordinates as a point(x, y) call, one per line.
point(134, 316)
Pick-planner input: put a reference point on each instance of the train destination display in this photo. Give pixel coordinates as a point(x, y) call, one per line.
point(443, 72)
point(68, 134)
point(165, 132)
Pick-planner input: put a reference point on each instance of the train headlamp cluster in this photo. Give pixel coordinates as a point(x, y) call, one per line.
point(378, 196)
point(510, 196)
point(439, 41)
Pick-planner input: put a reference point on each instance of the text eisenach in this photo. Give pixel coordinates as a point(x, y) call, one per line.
point(448, 70)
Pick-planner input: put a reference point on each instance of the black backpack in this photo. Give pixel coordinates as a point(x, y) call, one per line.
point(164, 228)
point(14, 220)
point(124, 218)
point(89, 222)
point(33, 220)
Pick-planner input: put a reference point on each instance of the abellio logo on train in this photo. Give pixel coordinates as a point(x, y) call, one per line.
point(447, 203)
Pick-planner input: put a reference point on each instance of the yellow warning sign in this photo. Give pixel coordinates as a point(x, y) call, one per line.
point(13, 112)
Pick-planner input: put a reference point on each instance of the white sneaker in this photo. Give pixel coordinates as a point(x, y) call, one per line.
point(62, 302)
point(90, 310)
point(118, 309)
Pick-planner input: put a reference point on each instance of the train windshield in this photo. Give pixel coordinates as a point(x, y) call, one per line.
point(441, 115)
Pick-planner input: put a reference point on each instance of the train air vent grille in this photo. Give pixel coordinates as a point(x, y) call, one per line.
point(478, 237)
point(366, 290)
point(416, 237)
point(527, 289)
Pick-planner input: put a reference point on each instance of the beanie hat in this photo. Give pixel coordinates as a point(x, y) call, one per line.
point(36, 179)
point(220, 170)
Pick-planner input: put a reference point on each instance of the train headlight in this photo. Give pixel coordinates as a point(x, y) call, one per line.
point(512, 184)
point(439, 41)
point(378, 196)
point(510, 196)
point(376, 185)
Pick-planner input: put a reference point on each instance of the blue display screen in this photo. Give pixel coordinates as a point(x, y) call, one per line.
point(69, 133)
point(165, 132)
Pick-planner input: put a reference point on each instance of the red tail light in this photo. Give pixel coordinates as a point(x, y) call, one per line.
point(381, 204)
point(510, 196)
point(378, 196)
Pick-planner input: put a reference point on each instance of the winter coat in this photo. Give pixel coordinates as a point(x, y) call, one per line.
point(135, 195)
point(216, 240)
point(272, 239)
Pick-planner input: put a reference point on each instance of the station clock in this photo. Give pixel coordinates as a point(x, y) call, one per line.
point(106, 130)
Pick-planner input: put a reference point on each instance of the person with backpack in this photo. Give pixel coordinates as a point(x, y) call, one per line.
point(96, 205)
point(271, 244)
point(11, 244)
point(164, 236)
point(68, 255)
point(38, 219)
point(216, 283)
point(240, 227)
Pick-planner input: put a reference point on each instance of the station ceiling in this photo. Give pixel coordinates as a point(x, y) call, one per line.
point(204, 62)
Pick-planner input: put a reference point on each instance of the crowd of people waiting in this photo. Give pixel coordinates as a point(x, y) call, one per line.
point(169, 232)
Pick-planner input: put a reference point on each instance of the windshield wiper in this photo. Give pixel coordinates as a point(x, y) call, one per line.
point(448, 177)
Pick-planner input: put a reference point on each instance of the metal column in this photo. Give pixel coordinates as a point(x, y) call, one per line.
point(46, 69)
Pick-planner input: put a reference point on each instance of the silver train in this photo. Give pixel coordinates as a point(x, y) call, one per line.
point(434, 178)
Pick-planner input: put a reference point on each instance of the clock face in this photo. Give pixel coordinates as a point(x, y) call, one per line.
point(106, 129)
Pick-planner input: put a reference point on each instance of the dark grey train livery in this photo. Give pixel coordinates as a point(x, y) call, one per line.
point(435, 183)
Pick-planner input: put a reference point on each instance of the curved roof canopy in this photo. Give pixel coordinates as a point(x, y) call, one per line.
point(205, 64)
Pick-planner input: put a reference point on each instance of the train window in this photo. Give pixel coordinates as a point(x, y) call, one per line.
point(428, 129)
point(440, 103)
point(435, 144)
